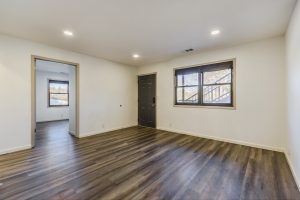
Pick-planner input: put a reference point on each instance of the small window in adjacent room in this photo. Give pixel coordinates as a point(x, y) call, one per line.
point(206, 85)
point(58, 93)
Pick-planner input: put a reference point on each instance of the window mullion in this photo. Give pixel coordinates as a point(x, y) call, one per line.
point(183, 88)
point(200, 89)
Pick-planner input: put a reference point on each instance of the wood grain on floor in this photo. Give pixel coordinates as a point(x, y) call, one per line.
point(141, 163)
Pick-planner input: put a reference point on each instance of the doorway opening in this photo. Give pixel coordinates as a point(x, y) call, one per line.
point(147, 100)
point(54, 99)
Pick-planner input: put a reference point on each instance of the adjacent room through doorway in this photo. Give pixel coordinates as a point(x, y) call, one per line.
point(55, 102)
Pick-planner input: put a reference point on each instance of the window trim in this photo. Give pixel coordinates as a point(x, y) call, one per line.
point(49, 93)
point(231, 106)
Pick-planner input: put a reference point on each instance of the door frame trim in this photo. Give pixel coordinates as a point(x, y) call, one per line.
point(146, 74)
point(33, 93)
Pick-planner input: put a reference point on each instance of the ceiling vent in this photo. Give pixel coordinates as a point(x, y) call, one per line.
point(189, 50)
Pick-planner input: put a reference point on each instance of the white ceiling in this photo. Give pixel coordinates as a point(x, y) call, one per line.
point(48, 66)
point(156, 29)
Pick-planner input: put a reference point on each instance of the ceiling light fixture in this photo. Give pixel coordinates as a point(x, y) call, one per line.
point(135, 55)
point(68, 33)
point(215, 32)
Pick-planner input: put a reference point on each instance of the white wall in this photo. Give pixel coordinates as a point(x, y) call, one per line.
point(43, 111)
point(293, 92)
point(259, 118)
point(103, 86)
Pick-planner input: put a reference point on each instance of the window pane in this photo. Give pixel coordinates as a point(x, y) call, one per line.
point(179, 80)
point(221, 76)
point(179, 95)
point(217, 94)
point(59, 100)
point(191, 79)
point(190, 94)
point(58, 88)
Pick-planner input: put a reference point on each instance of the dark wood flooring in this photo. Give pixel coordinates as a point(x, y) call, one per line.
point(141, 163)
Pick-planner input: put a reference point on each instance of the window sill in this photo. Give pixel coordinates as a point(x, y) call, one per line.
point(209, 107)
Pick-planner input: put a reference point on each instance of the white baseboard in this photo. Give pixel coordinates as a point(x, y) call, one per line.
point(12, 150)
point(225, 140)
point(102, 131)
point(292, 169)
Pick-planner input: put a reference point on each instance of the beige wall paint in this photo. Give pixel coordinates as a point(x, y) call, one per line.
point(104, 86)
point(293, 93)
point(259, 118)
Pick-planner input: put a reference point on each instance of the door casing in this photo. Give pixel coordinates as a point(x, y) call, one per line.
point(33, 93)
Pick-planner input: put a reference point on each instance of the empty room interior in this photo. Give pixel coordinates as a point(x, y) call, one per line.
point(137, 99)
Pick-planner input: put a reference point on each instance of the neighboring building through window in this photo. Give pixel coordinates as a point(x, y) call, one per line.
point(58, 93)
point(206, 85)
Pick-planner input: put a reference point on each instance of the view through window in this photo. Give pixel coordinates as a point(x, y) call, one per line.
point(207, 85)
point(58, 93)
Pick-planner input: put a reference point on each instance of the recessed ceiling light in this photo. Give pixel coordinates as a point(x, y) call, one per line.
point(68, 33)
point(215, 32)
point(135, 55)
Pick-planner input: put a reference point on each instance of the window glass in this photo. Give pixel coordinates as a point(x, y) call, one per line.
point(180, 95)
point(58, 87)
point(59, 99)
point(220, 76)
point(191, 94)
point(217, 94)
point(208, 85)
point(191, 79)
point(180, 80)
point(58, 93)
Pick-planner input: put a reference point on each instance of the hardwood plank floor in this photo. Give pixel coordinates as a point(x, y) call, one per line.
point(141, 163)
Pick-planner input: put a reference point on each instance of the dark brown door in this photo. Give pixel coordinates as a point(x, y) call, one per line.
point(147, 100)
